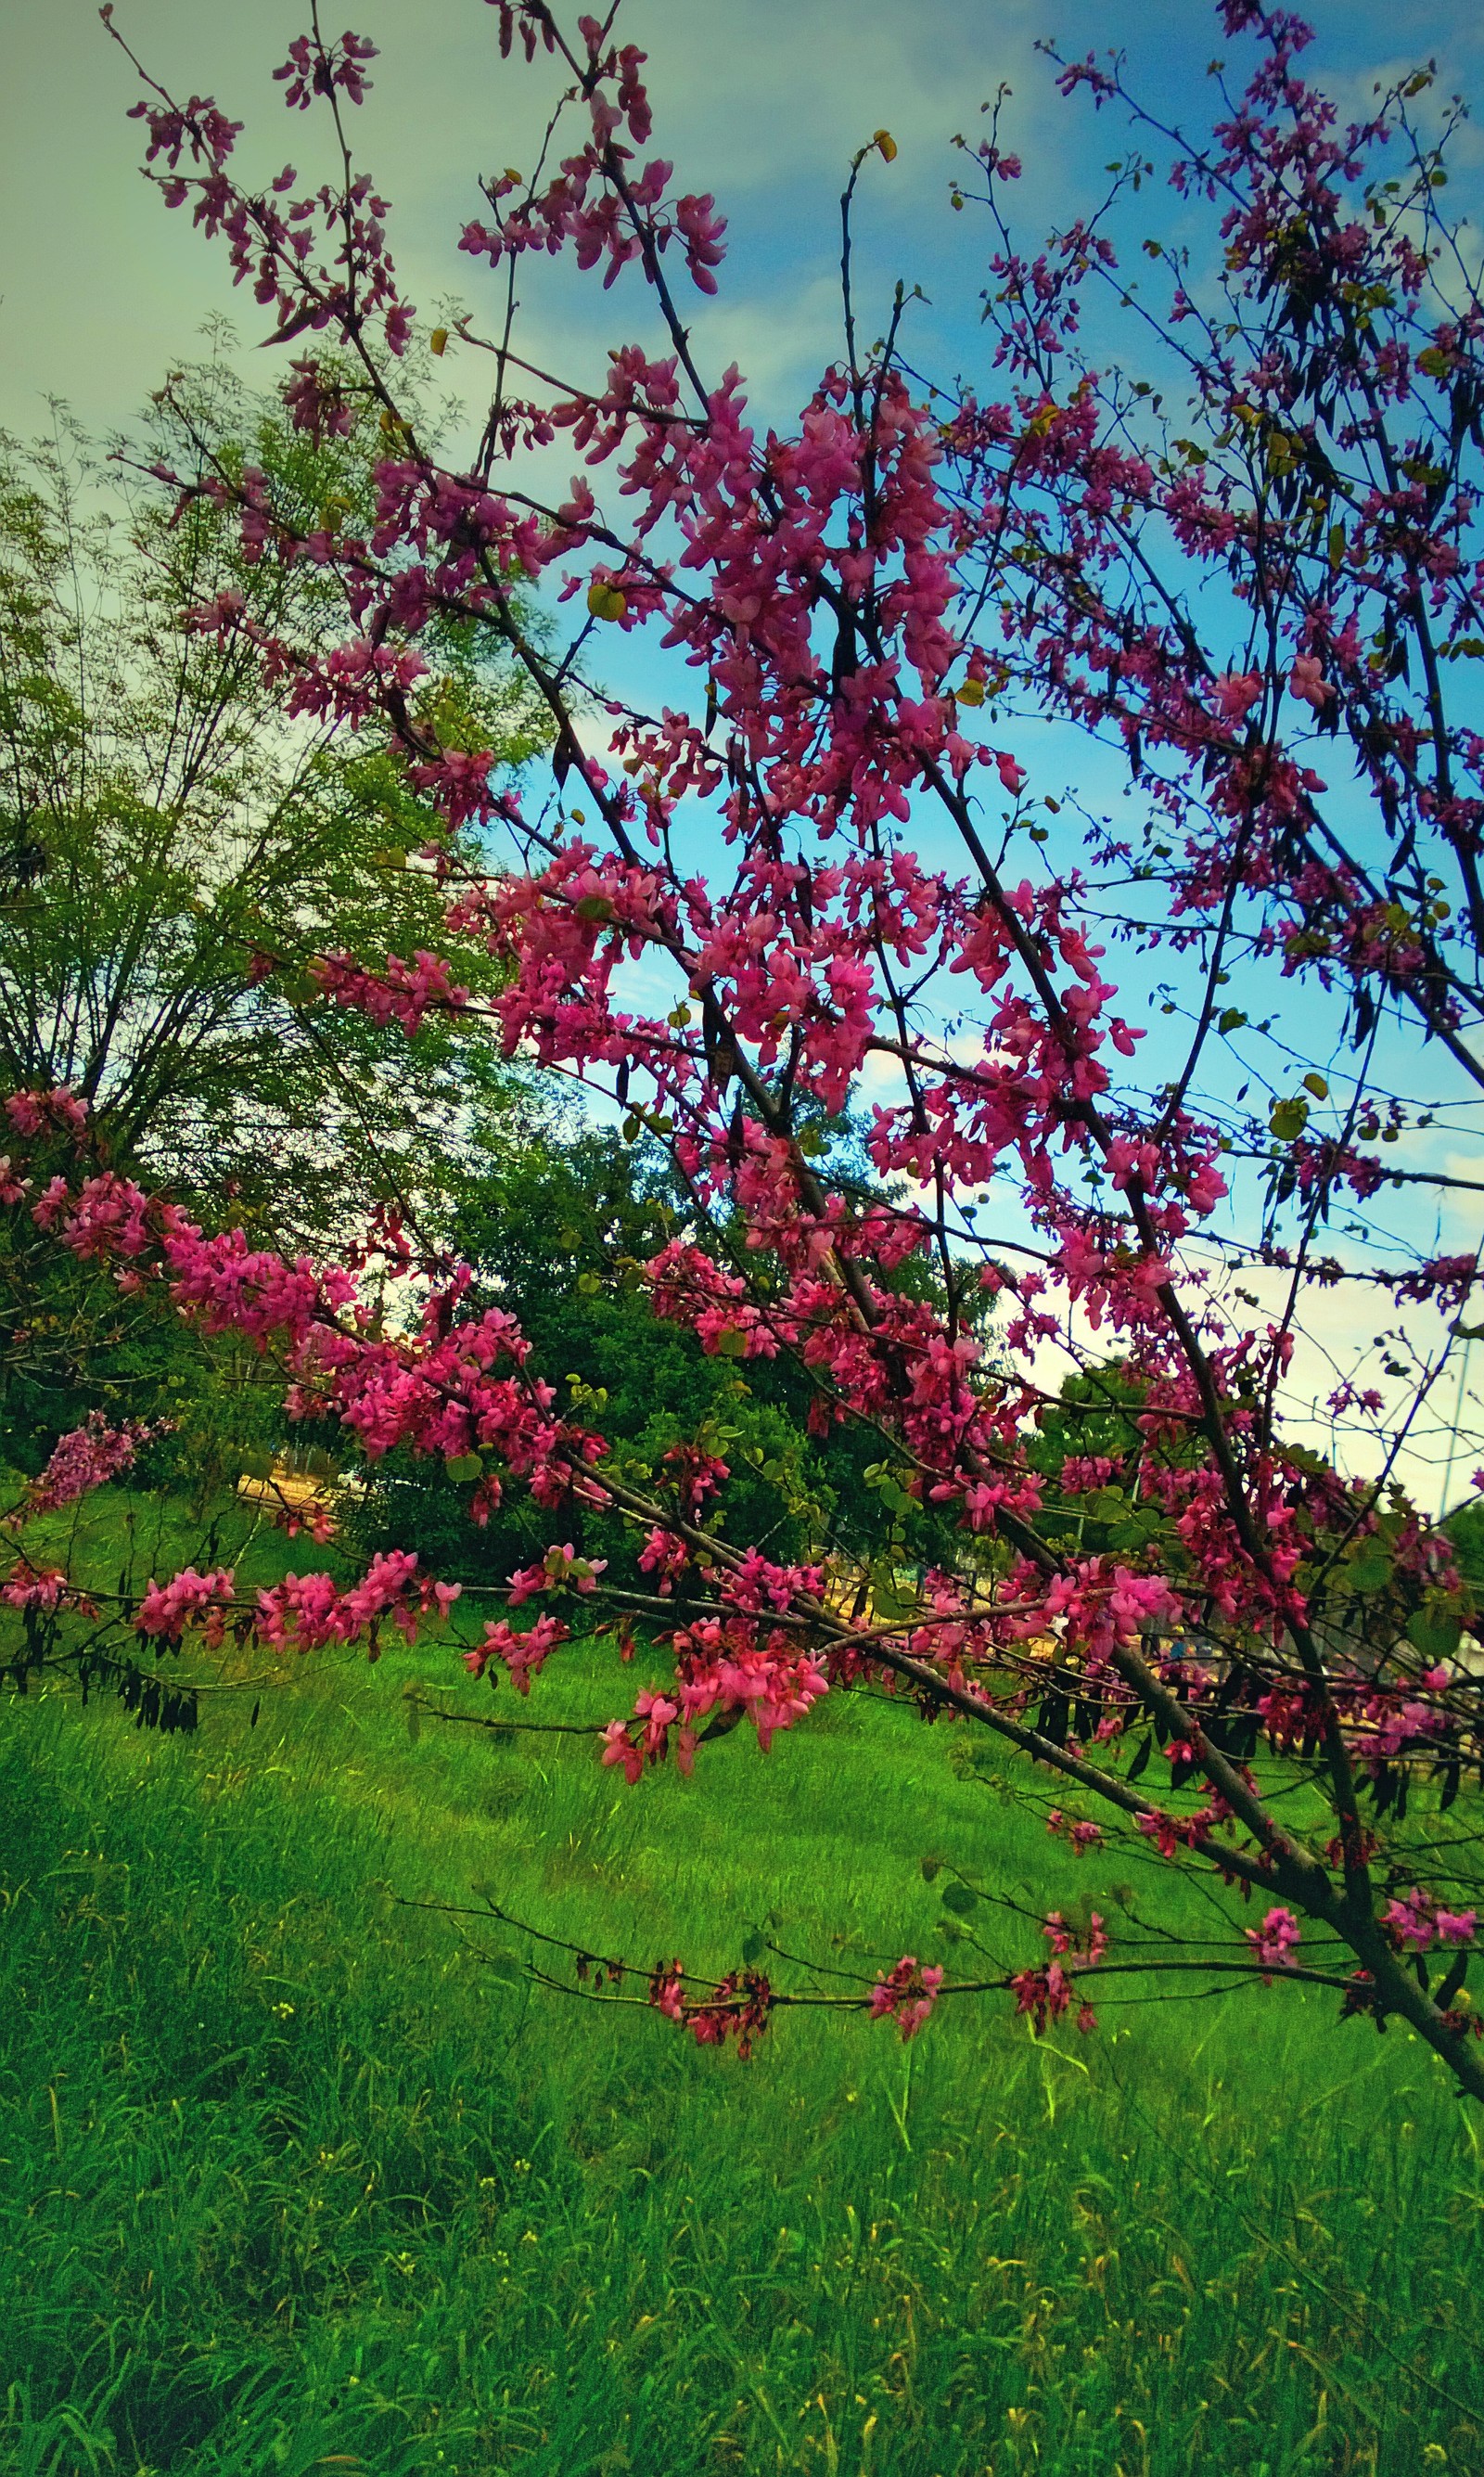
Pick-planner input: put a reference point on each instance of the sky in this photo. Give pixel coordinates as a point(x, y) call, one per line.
point(761, 101)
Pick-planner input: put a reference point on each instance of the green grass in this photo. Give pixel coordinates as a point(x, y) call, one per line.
point(292, 2179)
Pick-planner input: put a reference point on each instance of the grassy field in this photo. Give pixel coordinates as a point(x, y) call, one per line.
point(293, 2180)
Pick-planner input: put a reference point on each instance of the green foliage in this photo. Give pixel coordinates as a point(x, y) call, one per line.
point(75, 1341)
point(164, 834)
point(165, 831)
point(1465, 1528)
point(556, 1231)
point(1093, 1415)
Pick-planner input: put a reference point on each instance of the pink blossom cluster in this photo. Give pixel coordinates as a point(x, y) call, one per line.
point(906, 1995)
point(33, 1586)
point(1082, 1836)
point(1044, 1993)
point(738, 2006)
point(1277, 1939)
point(523, 1653)
point(403, 993)
point(1064, 1939)
point(610, 212)
point(86, 1458)
point(35, 1114)
point(1417, 1921)
point(305, 1612)
point(199, 1602)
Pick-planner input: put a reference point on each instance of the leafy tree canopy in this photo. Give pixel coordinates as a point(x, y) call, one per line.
point(168, 831)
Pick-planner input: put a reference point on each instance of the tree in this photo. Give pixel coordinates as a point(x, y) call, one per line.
point(556, 1231)
point(861, 608)
point(175, 850)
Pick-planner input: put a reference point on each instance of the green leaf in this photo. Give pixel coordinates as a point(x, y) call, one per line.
point(1230, 1020)
point(1369, 1568)
point(1107, 1504)
point(506, 1968)
point(753, 1948)
point(1434, 1632)
point(958, 1898)
point(1288, 1119)
point(730, 1343)
point(462, 1466)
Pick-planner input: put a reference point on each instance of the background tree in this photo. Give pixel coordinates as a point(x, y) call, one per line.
point(557, 1229)
point(167, 833)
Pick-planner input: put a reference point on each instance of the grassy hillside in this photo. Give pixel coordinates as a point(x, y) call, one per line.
point(293, 2180)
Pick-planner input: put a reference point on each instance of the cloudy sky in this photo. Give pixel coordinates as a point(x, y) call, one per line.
point(761, 101)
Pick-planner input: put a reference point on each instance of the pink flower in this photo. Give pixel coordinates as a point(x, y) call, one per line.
point(1417, 1919)
point(1063, 1940)
point(83, 1460)
point(524, 1655)
point(39, 1588)
point(1273, 1942)
point(906, 1995)
point(618, 1747)
point(1307, 681)
point(188, 1600)
point(32, 1114)
point(1236, 692)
